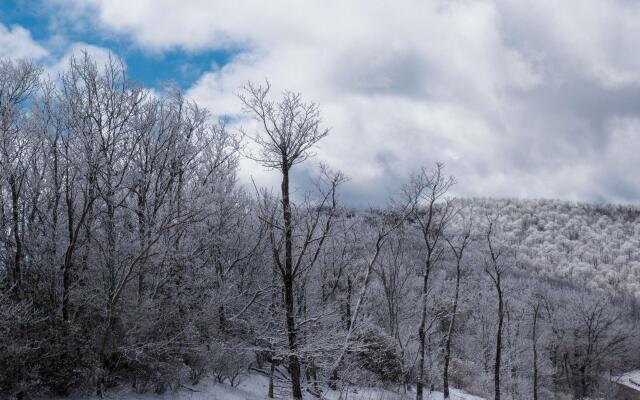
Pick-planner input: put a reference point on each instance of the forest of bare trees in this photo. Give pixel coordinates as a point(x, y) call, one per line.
point(130, 255)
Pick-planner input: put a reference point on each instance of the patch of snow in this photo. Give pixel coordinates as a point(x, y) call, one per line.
point(629, 379)
point(255, 386)
point(382, 394)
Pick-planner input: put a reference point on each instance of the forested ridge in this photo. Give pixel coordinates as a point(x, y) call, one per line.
point(130, 255)
point(595, 245)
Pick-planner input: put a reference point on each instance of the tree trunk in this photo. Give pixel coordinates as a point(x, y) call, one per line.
point(288, 281)
point(142, 234)
point(66, 286)
point(447, 349)
point(583, 381)
point(333, 380)
point(54, 222)
point(272, 372)
point(222, 319)
point(422, 332)
point(314, 375)
point(110, 260)
point(348, 304)
point(15, 211)
point(66, 266)
point(496, 370)
point(535, 353)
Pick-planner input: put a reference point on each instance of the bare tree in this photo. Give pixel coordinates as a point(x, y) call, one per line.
point(458, 245)
point(18, 82)
point(289, 129)
point(535, 317)
point(77, 165)
point(598, 333)
point(388, 226)
point(495, 265)
point(394, 273)
point(426, 192)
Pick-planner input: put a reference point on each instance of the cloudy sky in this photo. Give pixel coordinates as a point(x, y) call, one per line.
point(518, 98)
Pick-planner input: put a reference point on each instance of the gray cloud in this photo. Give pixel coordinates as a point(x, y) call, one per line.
point(518, 98)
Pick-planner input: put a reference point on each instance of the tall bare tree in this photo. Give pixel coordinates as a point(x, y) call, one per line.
point(289, 129)
point(535, 307)
point(18, 82)
point(432, 211)
point(495, 266)
point(458, 246)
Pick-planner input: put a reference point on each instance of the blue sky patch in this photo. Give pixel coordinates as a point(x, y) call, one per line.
point(152, 69)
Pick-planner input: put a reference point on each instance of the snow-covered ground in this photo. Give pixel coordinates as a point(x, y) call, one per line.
point(254, 387)
point(630, 379)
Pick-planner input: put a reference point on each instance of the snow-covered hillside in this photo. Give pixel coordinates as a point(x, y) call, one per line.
point(254, 387)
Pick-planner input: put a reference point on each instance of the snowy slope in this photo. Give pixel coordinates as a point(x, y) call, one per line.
point(630, 379)
point(380, 394)
point(254, 387)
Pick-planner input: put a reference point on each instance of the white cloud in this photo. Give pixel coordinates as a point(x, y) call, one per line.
point(16, 42)
point(515, 96)
point(592, 38)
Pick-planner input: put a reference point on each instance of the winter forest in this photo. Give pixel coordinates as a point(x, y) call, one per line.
point(133, 262)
